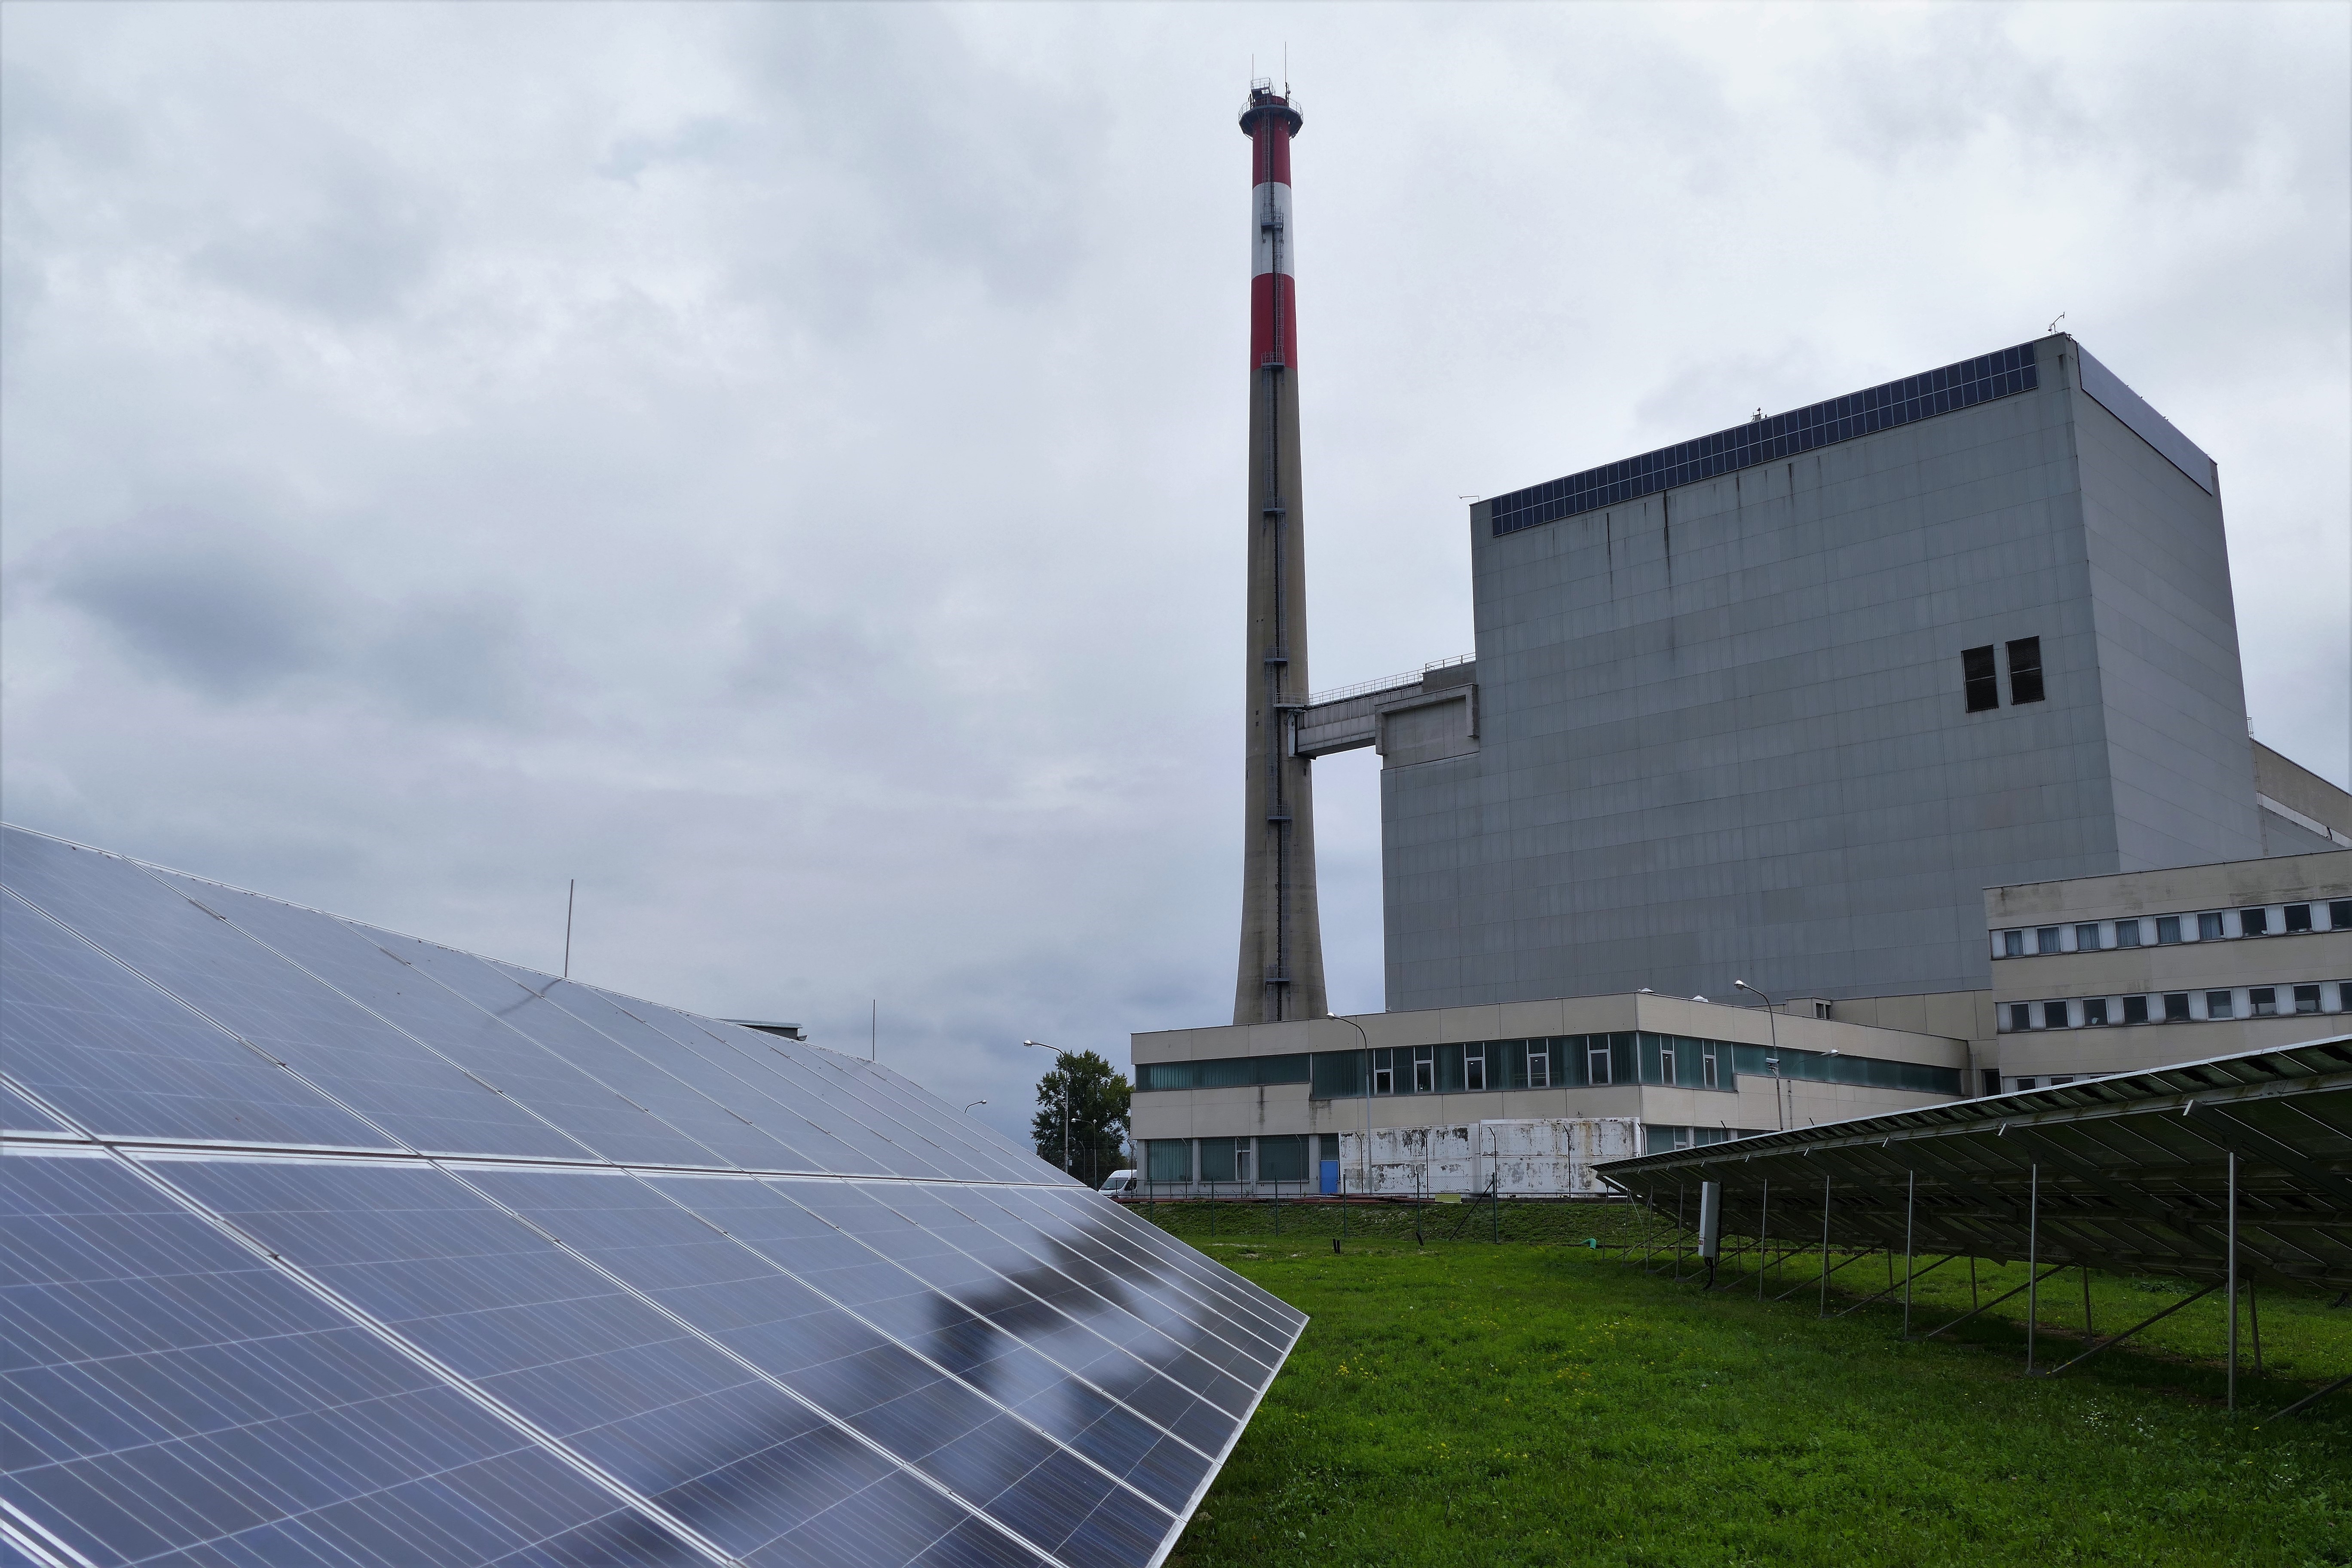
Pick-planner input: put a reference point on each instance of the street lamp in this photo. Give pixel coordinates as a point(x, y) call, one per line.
point(1064, 1057)
point(1342, 1018)
point(1773, 1018)
point(967, 1109)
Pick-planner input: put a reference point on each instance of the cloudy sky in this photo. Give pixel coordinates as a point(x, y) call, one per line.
point(782, 466)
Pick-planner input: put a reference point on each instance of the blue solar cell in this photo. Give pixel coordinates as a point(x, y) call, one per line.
point(18, 1114)
point(1765, 440)
point(120, 1057)
point(658, 1406)
point(994, 1458)
point(198, 957)
point(165, 1391)
point(1007, 1351)
point(1121, 1355)
point(664, 1086)
point(407, 997)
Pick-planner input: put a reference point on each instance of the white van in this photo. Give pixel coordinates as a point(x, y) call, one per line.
point(1120, 1182)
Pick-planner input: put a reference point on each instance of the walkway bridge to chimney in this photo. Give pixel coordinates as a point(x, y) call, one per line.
point(1423, 716)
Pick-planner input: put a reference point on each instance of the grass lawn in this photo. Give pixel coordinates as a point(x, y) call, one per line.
point(1539, 1402)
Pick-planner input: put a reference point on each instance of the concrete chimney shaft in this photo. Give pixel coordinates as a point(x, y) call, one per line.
point(1281, 970)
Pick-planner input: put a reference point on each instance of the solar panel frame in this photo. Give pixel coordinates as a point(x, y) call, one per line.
point(2136, 1171)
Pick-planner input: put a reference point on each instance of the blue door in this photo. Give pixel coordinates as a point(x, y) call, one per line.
point(1331, 1176)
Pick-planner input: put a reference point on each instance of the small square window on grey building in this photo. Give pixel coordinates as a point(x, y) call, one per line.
point(2253, 923)
point(2134, 1009)
point(2128, 934)
point(2307, 998)
point(2263, 1001)
point(2095, 1011)
point(2054, 1015)
point(2339, 914)
point(2025, 670)
point(2012, 945)
point(2046, 940)
point(2298, 917)
point(2175, 1006)
point(2168, 929)
point(2209, 926)
point(2020, 1016)
point(1976, 676)
point(2086, 939)
point(2217, 1005)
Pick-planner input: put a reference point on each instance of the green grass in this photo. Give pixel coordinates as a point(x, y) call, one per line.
point(1540, 1402)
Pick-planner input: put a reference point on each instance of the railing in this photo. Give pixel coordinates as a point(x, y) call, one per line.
point(1386, 682)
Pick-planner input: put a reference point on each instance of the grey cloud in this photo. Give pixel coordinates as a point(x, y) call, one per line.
point(232, 614)
point(225, 612)
point(355, 249)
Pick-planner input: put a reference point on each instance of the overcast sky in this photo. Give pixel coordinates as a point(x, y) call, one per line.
point(782, 466)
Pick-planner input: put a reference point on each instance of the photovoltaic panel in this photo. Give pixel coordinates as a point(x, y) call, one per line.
point(983, 1452)
point(197, 956)
point(662, 1082)
point(1046, 1308)
point(899, 1133)
point(122, 1057)
point(925, 1312)
point(649, 1402)
point(402, 1255)
point(17, 1114)
point(405, 995)
point(166, 1391)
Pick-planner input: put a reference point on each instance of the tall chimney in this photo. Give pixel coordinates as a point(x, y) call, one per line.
point(1281, 973)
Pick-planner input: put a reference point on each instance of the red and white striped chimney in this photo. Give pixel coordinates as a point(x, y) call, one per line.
point(1281, 971)
point(1271, 122)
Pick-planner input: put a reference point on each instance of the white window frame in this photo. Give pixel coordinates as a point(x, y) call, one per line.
point(1473, 1068)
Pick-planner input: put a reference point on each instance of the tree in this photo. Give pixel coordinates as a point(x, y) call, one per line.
point(1099, 1100)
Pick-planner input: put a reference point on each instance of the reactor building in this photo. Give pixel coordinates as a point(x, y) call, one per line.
point(1915, 714)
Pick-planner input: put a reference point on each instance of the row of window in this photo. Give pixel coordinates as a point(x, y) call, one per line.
point(1292, 1156)
point(2178, 1006)
point(1660, 1140)
point(1981, 681)
point(1553, 1061)
point(1280, 1158)
point(2163, 931)
point(1767, 440)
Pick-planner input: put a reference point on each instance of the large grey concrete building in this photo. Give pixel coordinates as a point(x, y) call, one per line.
point(1919, 710)
point(1779, 704)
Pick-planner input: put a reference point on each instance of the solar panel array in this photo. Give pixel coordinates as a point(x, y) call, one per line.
point(324, 1244)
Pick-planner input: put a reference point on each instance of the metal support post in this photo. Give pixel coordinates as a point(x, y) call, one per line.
point(1679, 1227)
point(2086, 1304)
point(1763, 1224)
point(1910, 1202)
point(2233, 1281)
point(2033, 1259)
point(1823, 1310)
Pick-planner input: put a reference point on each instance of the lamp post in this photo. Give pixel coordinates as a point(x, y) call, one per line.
point(1772, 1018)
point(967, 1109)
point(1367, 1095)
point(1064, 1057)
